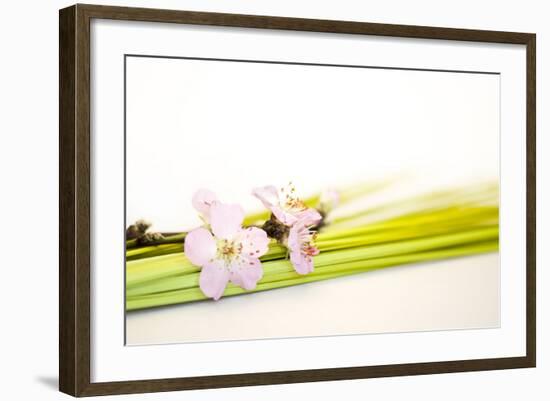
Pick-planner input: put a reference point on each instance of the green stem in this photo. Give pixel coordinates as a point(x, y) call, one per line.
point(420, 204)
point(285, 280)
point(139, 282)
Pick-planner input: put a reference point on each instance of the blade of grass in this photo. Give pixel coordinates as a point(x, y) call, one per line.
point(195, 294)
point(168, 267)
point(422, 203)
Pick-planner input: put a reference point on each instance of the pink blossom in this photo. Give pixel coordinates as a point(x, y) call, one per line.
point(202, 201)
point(228, 252)
point(286, 206)
point(302, 248)
point(297, 219)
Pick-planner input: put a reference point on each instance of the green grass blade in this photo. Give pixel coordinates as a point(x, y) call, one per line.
point(289, 279)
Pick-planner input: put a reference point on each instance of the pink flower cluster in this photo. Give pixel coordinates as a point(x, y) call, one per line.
point(227, 252)
point(294, 214)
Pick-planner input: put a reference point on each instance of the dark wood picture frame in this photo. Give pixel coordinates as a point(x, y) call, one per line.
point(74, 199)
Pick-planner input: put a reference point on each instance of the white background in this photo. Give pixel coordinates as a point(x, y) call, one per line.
point(29, 296)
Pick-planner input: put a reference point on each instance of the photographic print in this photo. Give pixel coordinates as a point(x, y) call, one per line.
point(269, 199)
point(256, 200)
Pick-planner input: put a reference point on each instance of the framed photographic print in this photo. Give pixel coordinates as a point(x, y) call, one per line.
point(250, 200)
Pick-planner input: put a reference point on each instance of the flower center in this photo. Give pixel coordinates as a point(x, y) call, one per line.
point(228, 250)
point(289, 200)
